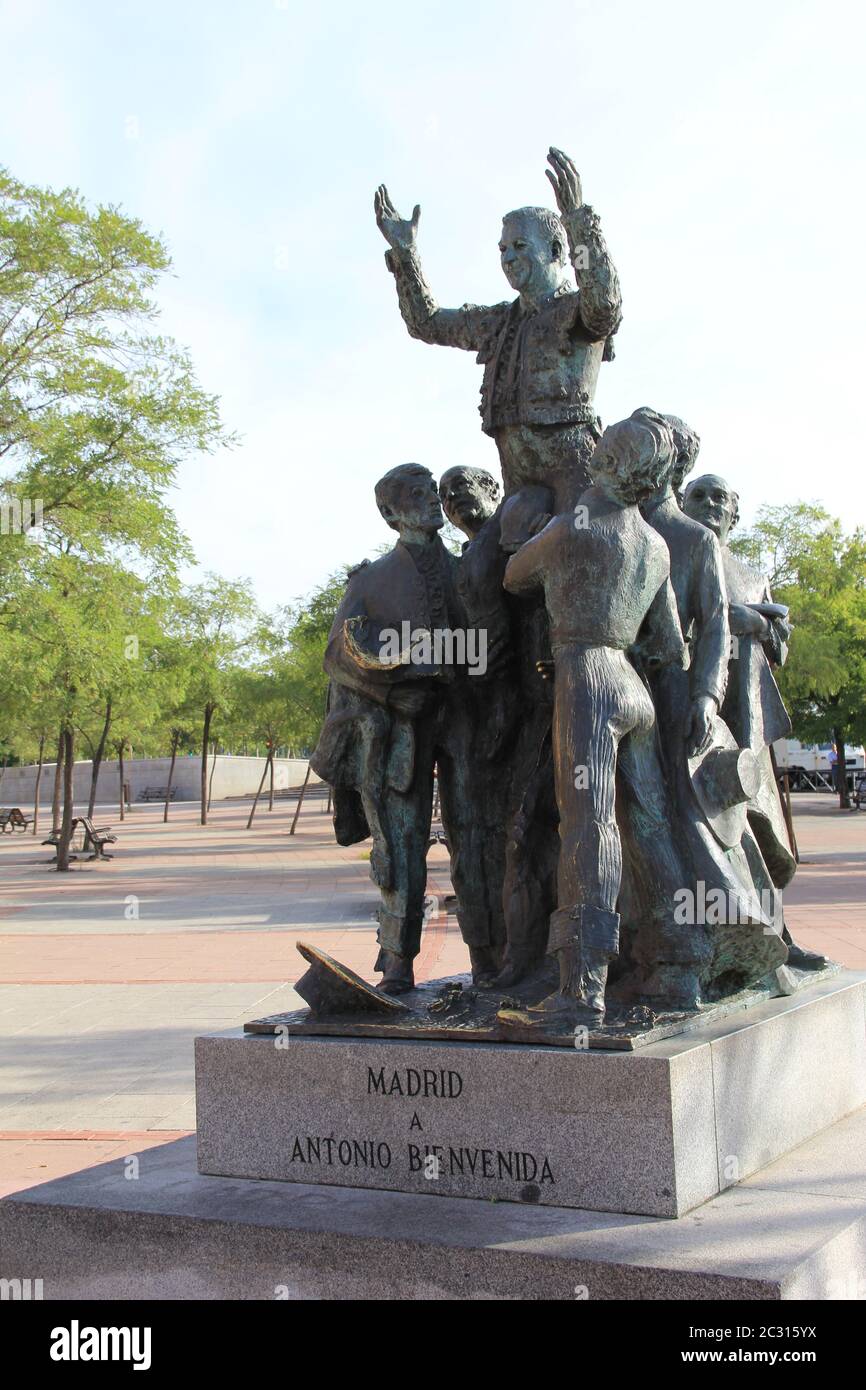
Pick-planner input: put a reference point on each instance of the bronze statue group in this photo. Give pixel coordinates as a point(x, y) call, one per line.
point(605, 774)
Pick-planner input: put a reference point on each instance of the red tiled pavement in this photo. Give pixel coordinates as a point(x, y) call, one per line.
point(29, 1159)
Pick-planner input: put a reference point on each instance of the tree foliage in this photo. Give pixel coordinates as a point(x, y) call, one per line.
point(820, 573)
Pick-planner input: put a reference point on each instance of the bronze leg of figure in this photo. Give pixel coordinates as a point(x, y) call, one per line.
point(476, 844)
point(595, 707)
point(405, 819)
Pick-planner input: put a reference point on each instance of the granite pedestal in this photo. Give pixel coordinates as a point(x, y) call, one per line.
point(655, 1132)
point(794, 1231)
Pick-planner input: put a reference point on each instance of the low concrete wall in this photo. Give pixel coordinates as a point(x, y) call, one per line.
point(231, 777)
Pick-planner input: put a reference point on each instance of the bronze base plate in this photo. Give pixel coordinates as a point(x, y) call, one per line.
point(454, 1010)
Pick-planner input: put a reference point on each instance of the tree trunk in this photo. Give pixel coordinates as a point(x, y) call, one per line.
point(120, 770)
point(256, 800)
point(300, 800)
point(175, 740)
point(58, 784)
point(38, 780)
point(271, 763)
point(205, 742)
point(212, 771)
point(841, 772)
point(66, 827)
point(97, 760)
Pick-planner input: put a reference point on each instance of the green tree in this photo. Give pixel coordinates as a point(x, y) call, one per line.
point(173, 726)
point(304, 630)
point(30, 709)
point(57, 619)
point(263, 712)
point(820, 573)
point(216, 618)
point(96, 411)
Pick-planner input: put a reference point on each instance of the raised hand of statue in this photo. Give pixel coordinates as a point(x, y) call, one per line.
point(396, 231)
point(565, 180)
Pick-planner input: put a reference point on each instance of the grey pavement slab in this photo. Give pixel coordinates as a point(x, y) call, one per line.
point(91, 1056)
point(246, 909)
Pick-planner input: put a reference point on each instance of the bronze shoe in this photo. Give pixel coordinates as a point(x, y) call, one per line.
point(515, 967)
point(484, 966)
point(398, 976)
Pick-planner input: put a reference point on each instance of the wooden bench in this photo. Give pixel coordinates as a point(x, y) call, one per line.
point(438, 837)
point(98, 836)
point(54, 840)
point(158, 794)
point(13, 818)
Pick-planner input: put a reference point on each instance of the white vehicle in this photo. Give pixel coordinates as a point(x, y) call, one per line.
point(810, 765)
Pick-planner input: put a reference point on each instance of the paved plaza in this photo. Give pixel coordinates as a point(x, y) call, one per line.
point(107, 973)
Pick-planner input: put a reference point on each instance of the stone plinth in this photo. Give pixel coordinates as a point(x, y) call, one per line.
point(796, 1230)
point(654, 1132)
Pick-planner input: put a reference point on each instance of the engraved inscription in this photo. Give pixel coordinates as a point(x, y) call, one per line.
point(409, 1081)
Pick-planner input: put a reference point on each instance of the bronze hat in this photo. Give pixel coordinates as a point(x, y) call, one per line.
point(725, 778)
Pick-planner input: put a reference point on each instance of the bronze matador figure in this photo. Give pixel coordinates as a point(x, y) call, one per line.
point(753, 706)
point(394, 715)
point(470, 500)
point(541, 352)
point(719, 848)
point(605, 578)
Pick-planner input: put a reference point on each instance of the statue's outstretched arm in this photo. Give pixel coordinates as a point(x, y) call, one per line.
point(779, 630)
point(525, 570)
point(467, 328)
point(597, 280)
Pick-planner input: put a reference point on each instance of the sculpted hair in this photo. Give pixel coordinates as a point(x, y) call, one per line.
point(687, 443)
point(735, 496)
point(639, 450)
point(386, 485)
point(549, 222)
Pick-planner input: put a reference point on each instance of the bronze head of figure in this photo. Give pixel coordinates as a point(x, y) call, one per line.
point(408, 499)
point(712, 501)
point(469, 497)
point(532, 252)
point(633, 458)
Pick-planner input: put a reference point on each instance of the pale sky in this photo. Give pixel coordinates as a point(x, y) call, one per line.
point(721, 147)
